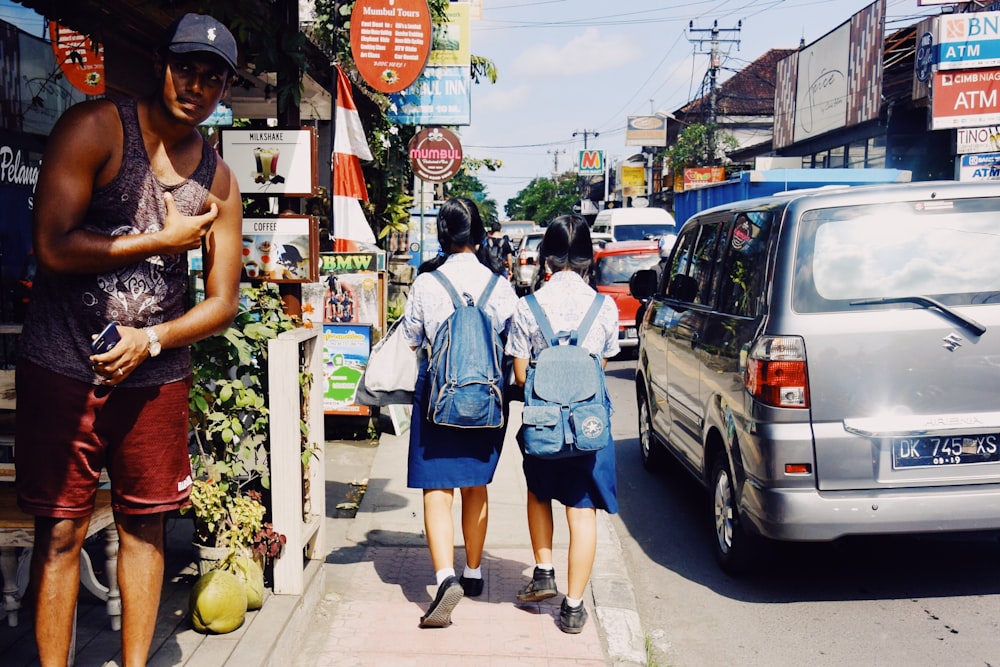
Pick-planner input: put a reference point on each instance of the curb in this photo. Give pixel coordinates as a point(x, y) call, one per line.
point(614, 599)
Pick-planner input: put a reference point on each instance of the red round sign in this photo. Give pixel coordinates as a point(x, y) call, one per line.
point(390, 41)
point(435, 154)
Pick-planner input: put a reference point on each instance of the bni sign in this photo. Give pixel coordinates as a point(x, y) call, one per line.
point(591, 163)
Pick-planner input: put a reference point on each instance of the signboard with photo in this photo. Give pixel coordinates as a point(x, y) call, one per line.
point(281, 250)
point(273, 161)
point(346, 348)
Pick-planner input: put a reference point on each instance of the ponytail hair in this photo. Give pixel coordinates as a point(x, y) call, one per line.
point(460, 227)
point(566, 245)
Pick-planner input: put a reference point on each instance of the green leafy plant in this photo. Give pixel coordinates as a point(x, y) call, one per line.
point(229, 419)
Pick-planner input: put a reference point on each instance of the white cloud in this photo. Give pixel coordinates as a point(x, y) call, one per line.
point(499, 99)
point(585, 54)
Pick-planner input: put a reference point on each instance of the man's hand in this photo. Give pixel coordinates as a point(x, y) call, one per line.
point(181, 233)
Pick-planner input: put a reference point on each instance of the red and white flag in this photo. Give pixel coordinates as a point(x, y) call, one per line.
point(349, 147)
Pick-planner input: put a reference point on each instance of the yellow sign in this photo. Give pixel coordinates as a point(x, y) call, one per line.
point(633, 181)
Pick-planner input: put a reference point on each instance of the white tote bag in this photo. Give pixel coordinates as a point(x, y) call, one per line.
point(392, 365)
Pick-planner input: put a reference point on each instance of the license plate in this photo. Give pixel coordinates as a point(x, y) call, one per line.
point(930, 451)
point(630, 332)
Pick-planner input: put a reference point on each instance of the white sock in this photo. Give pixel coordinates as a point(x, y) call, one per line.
point(573, 602)
point(443, 574)
point(544, 566)
point(471, 573)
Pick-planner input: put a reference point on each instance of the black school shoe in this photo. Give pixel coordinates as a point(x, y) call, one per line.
point(472, 587)
point(572, 619)
point(541, 587)
point(448, 596)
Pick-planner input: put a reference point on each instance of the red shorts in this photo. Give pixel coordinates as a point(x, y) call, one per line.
point(68, 430)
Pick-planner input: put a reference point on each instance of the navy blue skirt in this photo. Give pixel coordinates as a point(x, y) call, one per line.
point(589, 480)
point(444, 457)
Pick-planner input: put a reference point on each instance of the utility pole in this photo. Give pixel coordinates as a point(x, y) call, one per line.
point(586, 133)
point(555, 161)
point(714, 65)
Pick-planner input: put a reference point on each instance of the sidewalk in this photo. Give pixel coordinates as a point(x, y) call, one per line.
point(378, 581)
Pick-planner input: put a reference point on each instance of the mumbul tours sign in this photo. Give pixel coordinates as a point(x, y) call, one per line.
point(390, 41)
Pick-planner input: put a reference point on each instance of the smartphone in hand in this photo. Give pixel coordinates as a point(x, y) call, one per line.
point(107, 339)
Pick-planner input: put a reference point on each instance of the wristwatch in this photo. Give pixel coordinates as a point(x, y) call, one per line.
point(154, 342)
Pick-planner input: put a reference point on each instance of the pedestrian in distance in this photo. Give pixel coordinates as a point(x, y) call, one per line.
point(584, 483)
point(442, 458)
point(126, 189)
point(501, 250)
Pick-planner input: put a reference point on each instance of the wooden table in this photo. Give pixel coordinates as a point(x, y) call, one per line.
point(17, 531)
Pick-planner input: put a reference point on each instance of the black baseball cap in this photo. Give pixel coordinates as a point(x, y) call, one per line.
point(193, 33)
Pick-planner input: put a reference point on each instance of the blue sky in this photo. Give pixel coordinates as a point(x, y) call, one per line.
point(580, 66)
point(572, 65)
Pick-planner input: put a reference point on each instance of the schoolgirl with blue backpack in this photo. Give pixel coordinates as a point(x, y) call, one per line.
point(457, 315)
point(560, 338)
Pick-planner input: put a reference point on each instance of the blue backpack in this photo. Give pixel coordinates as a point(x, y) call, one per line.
point(567, 410)
point(465, 367)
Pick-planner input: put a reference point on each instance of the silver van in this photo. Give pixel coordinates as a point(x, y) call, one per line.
point(828, 363)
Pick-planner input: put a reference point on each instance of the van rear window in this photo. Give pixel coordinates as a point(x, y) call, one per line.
point(945, 249)
point(640, 232)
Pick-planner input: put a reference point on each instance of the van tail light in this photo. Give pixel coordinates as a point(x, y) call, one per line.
point(776, 372)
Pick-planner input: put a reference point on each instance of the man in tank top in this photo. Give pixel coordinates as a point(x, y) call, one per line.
point(126, 189)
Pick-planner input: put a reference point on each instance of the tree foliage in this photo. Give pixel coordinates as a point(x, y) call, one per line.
point(699, 145)
point(544, 199)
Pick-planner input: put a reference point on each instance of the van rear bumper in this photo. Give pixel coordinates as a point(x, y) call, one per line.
point(811, 515)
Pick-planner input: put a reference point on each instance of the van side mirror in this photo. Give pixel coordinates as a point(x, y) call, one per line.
point(682, 288)
point(642, 284)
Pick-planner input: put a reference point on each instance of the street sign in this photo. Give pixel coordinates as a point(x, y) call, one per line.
point(591, 163)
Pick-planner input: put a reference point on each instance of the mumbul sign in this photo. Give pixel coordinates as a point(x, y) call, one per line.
point(435, 154)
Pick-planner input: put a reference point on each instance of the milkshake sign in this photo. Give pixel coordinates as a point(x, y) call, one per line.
point(273, 161)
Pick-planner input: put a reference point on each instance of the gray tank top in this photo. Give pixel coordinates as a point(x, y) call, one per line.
point(66, 310)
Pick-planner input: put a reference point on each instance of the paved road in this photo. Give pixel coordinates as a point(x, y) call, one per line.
point(874, 601)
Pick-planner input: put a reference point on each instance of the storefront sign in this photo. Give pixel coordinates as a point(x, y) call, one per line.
point(967, 98)
point(591, 163)
point(977, 139)
point(390, 41)
point(980, 167)
point(695, 177)
point(440, 96)
point(346, 349)
point(273, 161)
point(281, 249)
point(646, 131)
point(968, 40)
point(435, 154)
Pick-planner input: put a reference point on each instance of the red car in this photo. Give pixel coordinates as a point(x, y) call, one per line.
point(614, 264)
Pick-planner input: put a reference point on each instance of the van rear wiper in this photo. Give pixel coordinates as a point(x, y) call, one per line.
point(927, 302)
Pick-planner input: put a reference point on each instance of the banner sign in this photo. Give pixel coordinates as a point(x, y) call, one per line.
point(695, 177)
point(968, 40)
point(390, 41)
point(80, 58)
point(968, 98)
point(646, 131)
point(981, 167)
point(440, 96)
point(591, 163)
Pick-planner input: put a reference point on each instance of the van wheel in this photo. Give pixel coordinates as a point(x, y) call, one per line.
point(736, 549)
point(650, 450)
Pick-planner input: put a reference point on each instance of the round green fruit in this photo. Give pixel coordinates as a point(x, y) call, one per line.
point(218, 602)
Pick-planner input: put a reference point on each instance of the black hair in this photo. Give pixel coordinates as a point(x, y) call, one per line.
point(495, 227)
point(566, 245)
point(459, 226)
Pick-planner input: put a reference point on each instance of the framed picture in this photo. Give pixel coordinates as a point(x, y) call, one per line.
point(273, 161)
point(281, 250)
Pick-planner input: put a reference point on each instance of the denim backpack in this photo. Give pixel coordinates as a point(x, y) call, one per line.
point(567, 410)
point(465, 367)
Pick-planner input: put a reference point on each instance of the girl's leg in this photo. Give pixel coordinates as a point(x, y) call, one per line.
point(475, 517)
point(439, 527)
point(540, 528)
point(582, 548)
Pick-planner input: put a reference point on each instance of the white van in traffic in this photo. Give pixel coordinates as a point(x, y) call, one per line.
point(635, 224)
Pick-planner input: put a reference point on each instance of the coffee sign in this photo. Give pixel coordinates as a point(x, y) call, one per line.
point(435, 154)
point(390, 41)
